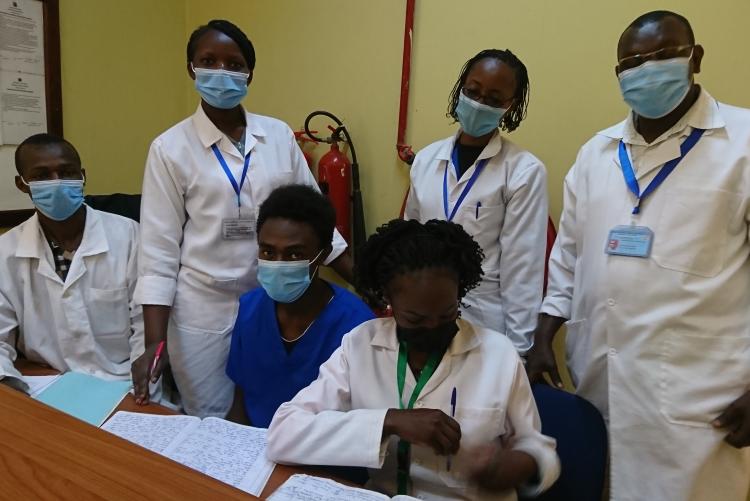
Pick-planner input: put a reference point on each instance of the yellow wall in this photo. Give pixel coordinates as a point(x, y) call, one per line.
point(122, 83)
point(345, 56)
point(124, 79)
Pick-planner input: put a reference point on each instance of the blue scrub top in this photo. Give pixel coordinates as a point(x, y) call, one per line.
point(260, 365)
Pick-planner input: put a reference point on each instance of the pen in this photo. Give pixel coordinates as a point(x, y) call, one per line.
point(453, 415)
point(159, 349)
point(476, 216)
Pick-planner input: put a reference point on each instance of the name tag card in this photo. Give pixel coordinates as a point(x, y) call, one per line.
point(630, 241)
point(237, 229)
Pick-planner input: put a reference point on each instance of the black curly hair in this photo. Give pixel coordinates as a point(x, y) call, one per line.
point(400, 246)
point(517, 112)
point(303, 204)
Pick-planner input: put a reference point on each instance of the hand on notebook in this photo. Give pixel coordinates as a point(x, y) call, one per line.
point(496, 468)
point(144, 371)
point(428, 427)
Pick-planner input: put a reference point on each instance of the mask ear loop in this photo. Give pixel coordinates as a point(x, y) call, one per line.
point(318, 266)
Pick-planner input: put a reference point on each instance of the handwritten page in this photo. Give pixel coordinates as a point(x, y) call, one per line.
point(230, 452)
point(308, 488)
point(153, 432)
point(38, 384)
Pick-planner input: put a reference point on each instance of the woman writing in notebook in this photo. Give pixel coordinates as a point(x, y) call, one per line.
point(434, 405)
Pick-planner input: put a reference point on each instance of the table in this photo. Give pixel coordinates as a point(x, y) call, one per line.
point(46, 454)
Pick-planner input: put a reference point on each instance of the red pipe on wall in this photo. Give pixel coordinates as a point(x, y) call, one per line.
point(405, 152)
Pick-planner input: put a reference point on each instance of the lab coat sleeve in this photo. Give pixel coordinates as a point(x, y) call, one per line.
point(319, 427)
point(303, 175)
point(137, 339)
point(523, 247)
point(411, 208)
point(8, 332)
point(525, 435)
point(162, 220)
point(562, 261)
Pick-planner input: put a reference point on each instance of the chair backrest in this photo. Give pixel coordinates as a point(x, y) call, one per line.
point(121, 204)
point(581, 436)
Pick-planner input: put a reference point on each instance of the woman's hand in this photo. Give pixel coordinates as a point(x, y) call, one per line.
point(142, 374)
point(427, 427)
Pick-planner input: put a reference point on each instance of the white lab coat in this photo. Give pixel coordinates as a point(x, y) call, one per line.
point(506, 213)
point(338, 419)
point(662, 345)
point(86, 324)
point(185, 263)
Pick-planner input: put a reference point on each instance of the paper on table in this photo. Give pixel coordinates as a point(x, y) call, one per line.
point(38, 384)
point(309, 488)
point(86, 397)
point(230, 452)
point(153, 432)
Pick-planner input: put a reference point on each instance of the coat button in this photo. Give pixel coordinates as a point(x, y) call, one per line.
point(612, 352)
point(611, 302)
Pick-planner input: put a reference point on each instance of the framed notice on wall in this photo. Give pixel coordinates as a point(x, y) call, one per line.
point(30, 89)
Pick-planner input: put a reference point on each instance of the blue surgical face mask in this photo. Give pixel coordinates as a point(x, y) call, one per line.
point(57, 199)
point(285, 281)
point(477, 119)
point(655, 88)
point(221, 88)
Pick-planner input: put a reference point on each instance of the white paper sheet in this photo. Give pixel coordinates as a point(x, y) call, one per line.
point(38, 384)
point(309, 488)
point(22, 36)
point(23, 109)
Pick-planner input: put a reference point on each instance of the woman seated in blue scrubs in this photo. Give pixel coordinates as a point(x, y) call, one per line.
point(290, 325)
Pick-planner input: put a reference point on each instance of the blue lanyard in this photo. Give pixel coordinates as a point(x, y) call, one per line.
point(473, 179)
point(237, 188)
point(632, 182)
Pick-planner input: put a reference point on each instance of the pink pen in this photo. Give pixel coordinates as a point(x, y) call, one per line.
point(159, 349)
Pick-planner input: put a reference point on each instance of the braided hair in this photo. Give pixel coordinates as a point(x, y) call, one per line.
point(229, 29)
point(517, 112)
point(399, 247)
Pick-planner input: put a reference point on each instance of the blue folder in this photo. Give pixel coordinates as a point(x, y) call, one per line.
point(85, 397)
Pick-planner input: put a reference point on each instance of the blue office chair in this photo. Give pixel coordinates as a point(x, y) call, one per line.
point(581, 436)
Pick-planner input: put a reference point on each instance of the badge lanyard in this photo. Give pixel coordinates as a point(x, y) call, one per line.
point(404, 447)
point(666, 170)
point(473, 179)
point(237, 187)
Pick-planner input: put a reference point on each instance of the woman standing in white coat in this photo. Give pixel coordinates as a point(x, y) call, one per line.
point(436, 407)
point(493, 188)
point(204, 179)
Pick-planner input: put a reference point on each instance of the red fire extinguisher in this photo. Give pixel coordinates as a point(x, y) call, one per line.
point(335, 181)
point(339, 180)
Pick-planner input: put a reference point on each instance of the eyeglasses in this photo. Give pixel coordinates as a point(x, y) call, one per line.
point(475, 95)
point(629, 62)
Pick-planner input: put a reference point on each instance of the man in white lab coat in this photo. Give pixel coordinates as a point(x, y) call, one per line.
point(650, 271)
point(67, 275)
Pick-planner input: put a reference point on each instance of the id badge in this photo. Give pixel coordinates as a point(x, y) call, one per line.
point(630, 241)
point(237, 228)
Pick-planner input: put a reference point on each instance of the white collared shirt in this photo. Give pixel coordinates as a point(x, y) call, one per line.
point(186, 195)
point(88, 323)
point(662, 344)
point(338, 419)
point(506, 213)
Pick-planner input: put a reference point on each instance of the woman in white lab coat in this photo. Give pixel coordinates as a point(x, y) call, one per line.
point(493, 188)
point(435, 406)
point(204, 179)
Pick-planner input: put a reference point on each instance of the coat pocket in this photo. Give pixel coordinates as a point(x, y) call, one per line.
point(701, 374)
point(109, 316)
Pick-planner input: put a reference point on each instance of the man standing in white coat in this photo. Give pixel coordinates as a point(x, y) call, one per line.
point(650, 271)
point(67, 275)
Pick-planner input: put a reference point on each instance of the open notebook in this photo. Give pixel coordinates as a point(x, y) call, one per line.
point(308, 488)
point(230, 452)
